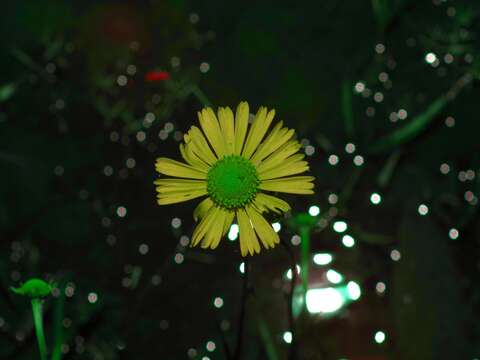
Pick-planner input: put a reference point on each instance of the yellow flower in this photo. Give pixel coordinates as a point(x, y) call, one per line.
point(232, 168)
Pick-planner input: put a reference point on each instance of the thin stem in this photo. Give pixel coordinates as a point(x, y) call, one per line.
point(241, 315)
point(58, 328)
point(305, 259)
point(292, 355)
point(38, 322)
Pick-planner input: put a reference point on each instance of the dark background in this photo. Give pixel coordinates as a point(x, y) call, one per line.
point(82, 121)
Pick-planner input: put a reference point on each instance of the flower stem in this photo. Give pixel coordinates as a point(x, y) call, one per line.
point(291, 322)
point(241, 316)
point(38, 322)
point(305, 260)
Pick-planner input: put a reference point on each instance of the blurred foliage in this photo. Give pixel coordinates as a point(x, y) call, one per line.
point(81, 125)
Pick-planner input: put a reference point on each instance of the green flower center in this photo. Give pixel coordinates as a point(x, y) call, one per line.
point(232, 182)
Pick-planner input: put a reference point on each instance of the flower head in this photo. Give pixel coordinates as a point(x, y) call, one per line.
point(34, 288)
point(233, 164)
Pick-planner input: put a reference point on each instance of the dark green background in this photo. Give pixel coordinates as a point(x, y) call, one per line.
point(60, 103)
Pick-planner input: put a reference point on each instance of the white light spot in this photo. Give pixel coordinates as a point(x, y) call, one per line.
point(359, 87)
point(314, 210)
point(309, 150)
point(218, 302)
point(450, 122)
point(121, 211)
point(354, 291)
point(122, 80)
point(444, 169)
point(423, 209)
point(327, 300)
point(176, 223)
point(322, 259)
point(453, 234)
point(402, 114)
point(143, 249)
point(287, 337)
point(395, 255)
point(375, 198)
point(358, 160)
point(430, 58)
point(350, 148)
point(380, 287)
point(289, 272)
point(179, 258)
point(380, 337)
point(233, 232)
point(92, 298)
point(296, 240)
point(333, 159)
point(204, 67)
point(348, 241)
point(211, 346)
point(340, 226)
point(276, 227)
point(242, 267)
point(334, 277)
point(332, 199)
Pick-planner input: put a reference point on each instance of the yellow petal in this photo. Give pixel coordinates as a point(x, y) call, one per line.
point(214, 233)
point(279, 156)
point(175, 168)
point(204, 226)
point(199, 145)
point(202, 208)
point(212, 131)
point(265, 231)
point(241, 124)
point(277, 137)
point(174, 185)
point(260, 125)
point(228, 222)
point(292, 185)
point(193, 159)
point(179, 196)
point(266, 202)
point(248, 239)
point(173, 188)
point(227, 125)
point(291, 166)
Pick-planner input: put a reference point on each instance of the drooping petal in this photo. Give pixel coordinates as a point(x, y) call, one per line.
point(175, 168)
point(291, 166)
point(248, 240)
point(205, 224)
point(214, 233)
point(211, 128)
point(259, 127)
point(228, 222)
point(199, 145)
point(179, 196)
point(264, 230)
point(227, 125)
point(202, 208)
point(277, 158)
point(241, 124)
point(292, 185)
point(265, 202)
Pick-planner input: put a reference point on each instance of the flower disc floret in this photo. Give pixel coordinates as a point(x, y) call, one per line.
point(232, 182)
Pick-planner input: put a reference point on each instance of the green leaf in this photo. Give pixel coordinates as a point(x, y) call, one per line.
point(410, 130)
